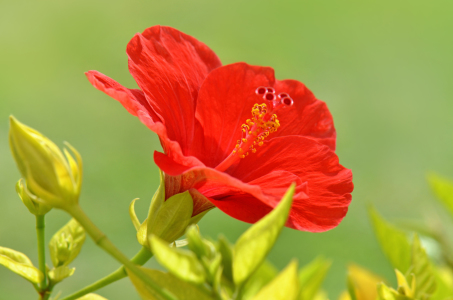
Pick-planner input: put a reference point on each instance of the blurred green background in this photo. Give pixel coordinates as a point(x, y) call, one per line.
point(383, 67)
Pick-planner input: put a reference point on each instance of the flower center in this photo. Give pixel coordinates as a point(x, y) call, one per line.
point(264, 121)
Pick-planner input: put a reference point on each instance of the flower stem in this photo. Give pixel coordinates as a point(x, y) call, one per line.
point(102, 241)
point(140, 258)
point(40, 225)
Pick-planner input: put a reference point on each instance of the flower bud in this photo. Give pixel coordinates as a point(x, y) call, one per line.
point(32, 202)
point(55, 179)
point(66, 244)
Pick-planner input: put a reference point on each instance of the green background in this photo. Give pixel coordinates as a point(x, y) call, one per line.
point(383, 67)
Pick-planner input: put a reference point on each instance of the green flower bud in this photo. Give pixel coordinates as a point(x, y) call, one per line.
point(66, 244)
point(55, 179)
point(34, 205)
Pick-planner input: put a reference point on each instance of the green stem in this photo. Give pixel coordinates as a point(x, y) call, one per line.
point(102, 241)
point(47, 293)
point(140, 258)
point(40, 225)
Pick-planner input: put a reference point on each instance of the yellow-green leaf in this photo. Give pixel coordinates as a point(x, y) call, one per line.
point(181, 289)
point(58, 274)
point(226, 250)
point(443, 189)
point(253, 246)
point(260, 278)
point(196, 243)
point(67, 243)
point(422, 270)
point(284, 287)
point(312, 276)
point(20, 264)
point(181, 263)
point(393, 242)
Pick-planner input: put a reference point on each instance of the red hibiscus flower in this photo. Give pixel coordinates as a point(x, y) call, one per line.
point(233, 135)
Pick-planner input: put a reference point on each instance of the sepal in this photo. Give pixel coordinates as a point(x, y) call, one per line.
point(33, 204)
point(173, 217)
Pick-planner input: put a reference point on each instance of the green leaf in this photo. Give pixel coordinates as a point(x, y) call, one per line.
point(393, 242)
point(212, 266)
point(443, 189)
point(181, 263)
point(261, 277)
point(92, 297)
point(284, 287)
point(312, 276)
point(66, 244)
point(422, 270)
point(133, 215)
point(196, 243)
point(254, 245)
point(444, 282)
point(173, 217)
point(60, 273)
point(226, 250)
point(181, 289)
point(20, 264)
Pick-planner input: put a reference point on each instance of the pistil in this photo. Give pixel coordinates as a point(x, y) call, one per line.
point(263, 122)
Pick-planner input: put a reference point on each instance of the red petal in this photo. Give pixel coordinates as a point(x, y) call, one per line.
point(307, 117)
point(224, 104)
point(136, 104)
point(323, 193)
point(225, 101)
point(169, 66)
point(132, 99)
point(329, 184)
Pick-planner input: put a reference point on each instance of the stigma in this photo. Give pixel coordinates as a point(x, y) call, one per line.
point(264, 121)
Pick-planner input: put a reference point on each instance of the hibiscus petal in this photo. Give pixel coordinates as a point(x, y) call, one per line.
point(225, 102)
point(307, 117)
point(329, 184)
point(323, 193)
point(133, 100)
point(136, 104)
point(169, 66)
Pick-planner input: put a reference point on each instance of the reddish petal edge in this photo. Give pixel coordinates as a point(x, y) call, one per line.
point(248, 202)
point(135, 103)
point(133, 100)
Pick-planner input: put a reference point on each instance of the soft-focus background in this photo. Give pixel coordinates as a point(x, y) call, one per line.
point(383, 67)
